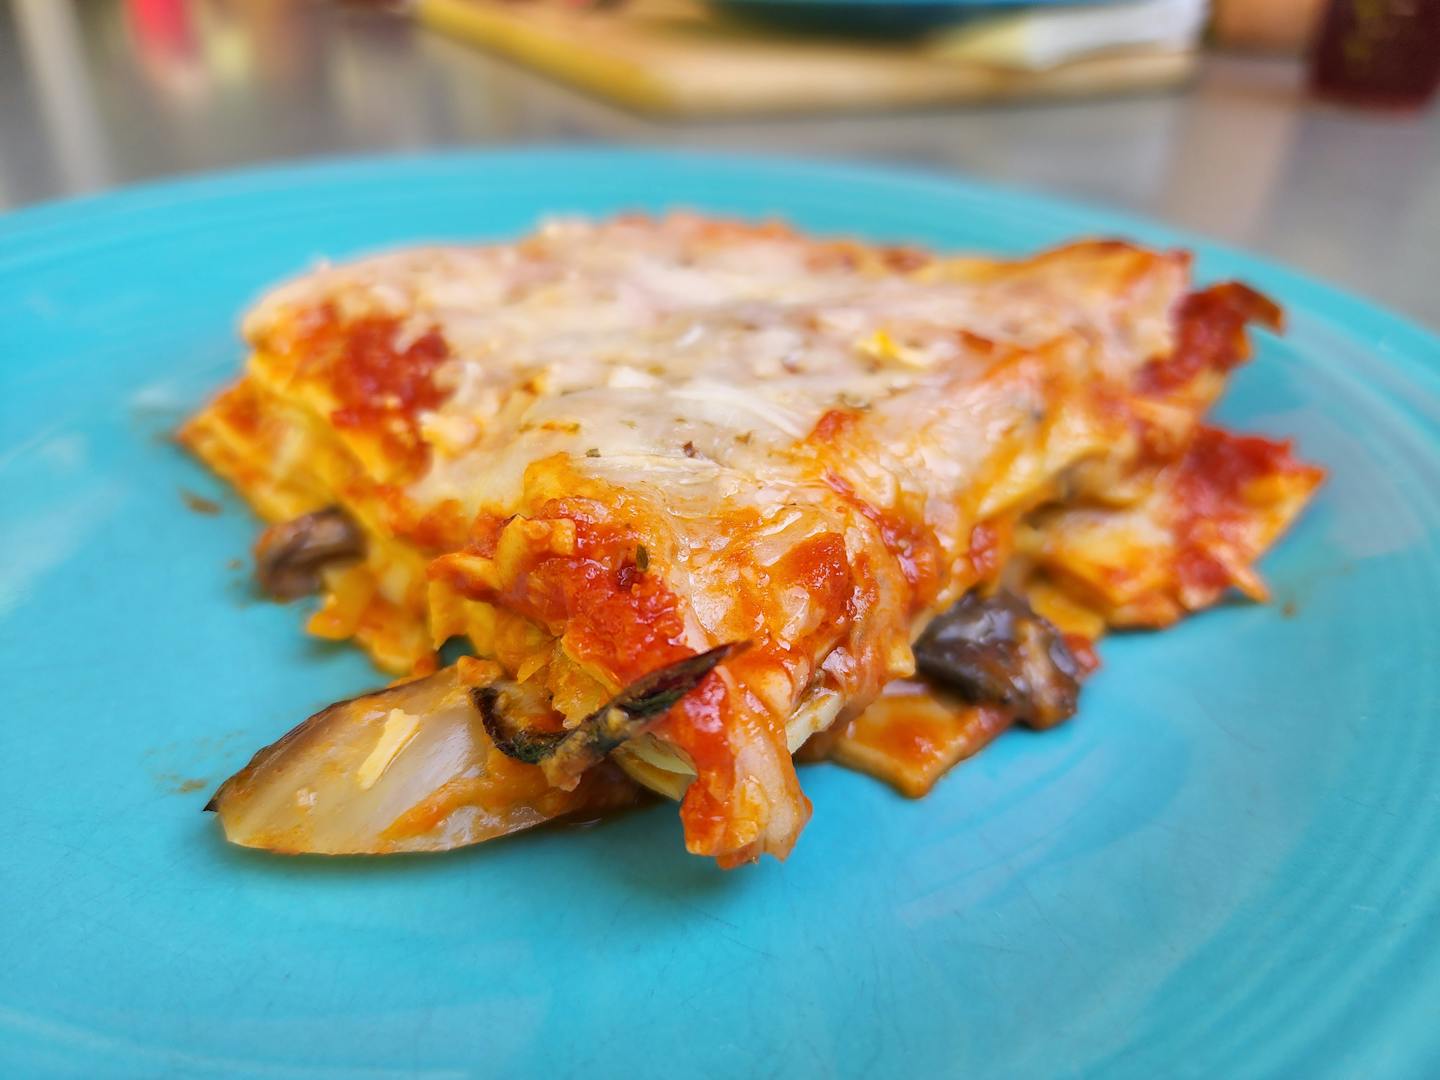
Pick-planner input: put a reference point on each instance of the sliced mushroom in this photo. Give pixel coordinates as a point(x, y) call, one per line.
point(994, 650)
point(510, 710)
point(289, 556)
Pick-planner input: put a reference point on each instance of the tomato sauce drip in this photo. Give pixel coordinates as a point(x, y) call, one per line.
point(1209, 335)
point(615, 610)
point(713, 721)
point(698, 726)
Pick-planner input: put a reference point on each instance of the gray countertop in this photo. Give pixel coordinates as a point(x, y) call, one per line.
point(95, 94)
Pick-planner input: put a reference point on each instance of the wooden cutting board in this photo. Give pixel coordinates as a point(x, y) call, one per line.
point(682, 58)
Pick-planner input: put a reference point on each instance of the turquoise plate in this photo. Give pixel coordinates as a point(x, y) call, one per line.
point(1227, 865)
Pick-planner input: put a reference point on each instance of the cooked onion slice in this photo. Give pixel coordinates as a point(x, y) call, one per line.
point(409, 768)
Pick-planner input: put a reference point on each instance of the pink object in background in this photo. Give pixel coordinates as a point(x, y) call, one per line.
point(1378, 52)
point(162, 25)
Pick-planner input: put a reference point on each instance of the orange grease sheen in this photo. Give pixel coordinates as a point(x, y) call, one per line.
point(722, 232)
point(920, 737)
point(976, 343)
point(912, 739)
point(508, 784)
point(441, 529)
point(240, 407)
point(821, 566)
point(911, 546)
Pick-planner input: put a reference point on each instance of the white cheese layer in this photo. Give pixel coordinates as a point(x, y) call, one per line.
point(670, 350)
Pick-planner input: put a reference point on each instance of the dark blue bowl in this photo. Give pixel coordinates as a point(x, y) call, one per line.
point(874, 18)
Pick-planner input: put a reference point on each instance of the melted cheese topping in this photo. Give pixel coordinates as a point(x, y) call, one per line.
point(697, 356)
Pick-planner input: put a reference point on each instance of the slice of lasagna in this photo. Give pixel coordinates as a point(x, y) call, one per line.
point(696, 492)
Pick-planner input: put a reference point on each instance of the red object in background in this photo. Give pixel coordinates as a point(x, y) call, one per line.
point(162, 26)
point(1378, 52)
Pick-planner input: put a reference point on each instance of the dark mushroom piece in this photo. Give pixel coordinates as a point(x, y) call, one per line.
point(994, 650)
point(565, 755)
point(289, 556)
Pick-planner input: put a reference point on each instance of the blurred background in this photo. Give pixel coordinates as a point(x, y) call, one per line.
point(1303, 129)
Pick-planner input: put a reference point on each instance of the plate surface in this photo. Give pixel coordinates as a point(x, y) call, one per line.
point(1226, 865)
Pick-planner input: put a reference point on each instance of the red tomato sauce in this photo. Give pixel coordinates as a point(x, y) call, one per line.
point(1210, 491)
point(833, 423)
point(615, 615)
point(378, 385)
point(698, 726)
point(821, 566)
point(1209, 335)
